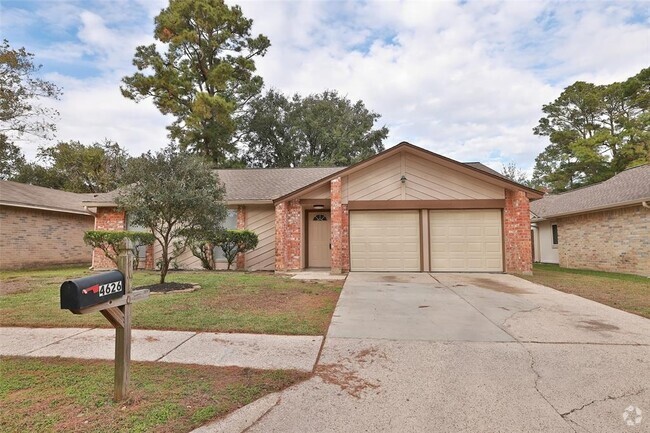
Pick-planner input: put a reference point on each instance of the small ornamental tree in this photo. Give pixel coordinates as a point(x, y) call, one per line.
point(109, 241)
point(202, 242)
point(171, 192)
point(234, 242)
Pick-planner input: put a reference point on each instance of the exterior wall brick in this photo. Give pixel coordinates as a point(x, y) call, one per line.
point(288, 236)
point(241, 225)
point(111, 219)
point(516, 223)
point(614, 240)
point(340, 230)
point(37, 238)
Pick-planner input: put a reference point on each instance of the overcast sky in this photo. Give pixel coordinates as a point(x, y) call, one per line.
point(466, 79)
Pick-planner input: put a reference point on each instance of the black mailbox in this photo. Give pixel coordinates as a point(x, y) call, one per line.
point(88, 291)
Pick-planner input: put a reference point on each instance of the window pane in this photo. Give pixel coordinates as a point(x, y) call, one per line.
point(555, 234)
point(230, 223)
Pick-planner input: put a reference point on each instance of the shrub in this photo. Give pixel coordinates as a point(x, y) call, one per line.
point(109, 242)
point(234, 242)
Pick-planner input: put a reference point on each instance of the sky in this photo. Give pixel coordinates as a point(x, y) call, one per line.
point(466, 79)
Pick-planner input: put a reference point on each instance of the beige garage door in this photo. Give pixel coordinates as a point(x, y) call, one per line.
point(385, 241)
point(466, 241)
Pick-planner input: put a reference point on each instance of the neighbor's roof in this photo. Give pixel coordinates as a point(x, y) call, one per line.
point(266, 184)
point(628, 187)
point(37, 197)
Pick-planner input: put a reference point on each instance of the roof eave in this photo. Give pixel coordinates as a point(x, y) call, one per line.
point(46, 208)
point(597, 208)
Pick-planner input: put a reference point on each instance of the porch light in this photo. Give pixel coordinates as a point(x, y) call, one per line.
point(319, 206)
point(403, 179)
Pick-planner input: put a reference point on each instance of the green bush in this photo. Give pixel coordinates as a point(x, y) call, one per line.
point(234, 242)
point(109, 241)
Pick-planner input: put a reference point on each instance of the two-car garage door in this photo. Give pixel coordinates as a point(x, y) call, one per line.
point(457, 240)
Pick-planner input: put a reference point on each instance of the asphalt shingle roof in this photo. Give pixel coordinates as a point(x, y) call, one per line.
point(628, 186)
point(23, 195)
point(269, 183)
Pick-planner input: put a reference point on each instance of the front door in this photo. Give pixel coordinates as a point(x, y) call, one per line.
point(318, 232)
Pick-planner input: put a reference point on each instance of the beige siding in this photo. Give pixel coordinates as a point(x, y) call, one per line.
point(377, 182)
point(322, 192)
point(261, 220)
point(425, 180)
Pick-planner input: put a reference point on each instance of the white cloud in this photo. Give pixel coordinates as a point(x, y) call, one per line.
point(465, 80)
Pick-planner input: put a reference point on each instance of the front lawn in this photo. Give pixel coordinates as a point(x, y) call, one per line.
point(227, 302)
point(63, 395)
point(626, 292)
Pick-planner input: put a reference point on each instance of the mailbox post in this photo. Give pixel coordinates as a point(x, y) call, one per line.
point(111, 294)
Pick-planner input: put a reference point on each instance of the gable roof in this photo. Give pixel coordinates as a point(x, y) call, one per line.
point(473, 169)
point(267, 184)
point(37, 197)
point(628, 187)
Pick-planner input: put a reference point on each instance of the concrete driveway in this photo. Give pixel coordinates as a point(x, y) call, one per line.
point(467, 352)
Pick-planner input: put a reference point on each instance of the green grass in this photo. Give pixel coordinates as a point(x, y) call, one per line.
point(62, 395)
point(627, 292)
point(226, 302)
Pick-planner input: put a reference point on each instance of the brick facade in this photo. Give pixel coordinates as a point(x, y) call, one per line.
point(241, 225)
point(340, 230)
point(37, 238)
point(288, 235)
point(516, 233)
point(614, 240)
point(111, 219)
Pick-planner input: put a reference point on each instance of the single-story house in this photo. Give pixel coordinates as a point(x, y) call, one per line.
point(42, 227)
point(404, 209)
point(605, 226)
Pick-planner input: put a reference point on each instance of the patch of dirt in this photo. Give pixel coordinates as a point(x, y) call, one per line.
point(9, 287)
point(346, 378)
point(169, 287)
point(489, 284)
point(597, 325)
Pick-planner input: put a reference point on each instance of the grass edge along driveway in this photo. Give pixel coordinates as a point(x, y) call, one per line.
point(249, 302)
point(64, 395)
point(625, 292)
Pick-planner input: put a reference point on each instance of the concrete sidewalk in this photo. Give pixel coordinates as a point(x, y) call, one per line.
point(205, 348)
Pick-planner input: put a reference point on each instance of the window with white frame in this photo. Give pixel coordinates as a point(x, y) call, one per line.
point(230, 223)
point(555, 235)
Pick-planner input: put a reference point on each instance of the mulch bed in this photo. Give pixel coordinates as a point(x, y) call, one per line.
point(169, 287)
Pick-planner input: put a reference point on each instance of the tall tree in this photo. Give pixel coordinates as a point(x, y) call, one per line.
point(205, 78)
point(73, 166)
point(21, 92)
point(595, 132)
point(172, 193)
point(514, 173)
point(324, 129)
point(12, 159)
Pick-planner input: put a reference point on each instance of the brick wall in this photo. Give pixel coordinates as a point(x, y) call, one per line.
point(340, 229)
point(614, 240)
point(516, 223)
point(288, 235)
point(33, 238)
point(241, 225)
point(108, 218)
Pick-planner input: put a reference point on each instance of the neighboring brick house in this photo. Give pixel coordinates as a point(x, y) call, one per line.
point(605, 226)
point(405, 209)
point(42, 227)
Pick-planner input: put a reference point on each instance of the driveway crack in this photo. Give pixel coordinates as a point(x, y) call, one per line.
point(520, 312)
point(609, 397)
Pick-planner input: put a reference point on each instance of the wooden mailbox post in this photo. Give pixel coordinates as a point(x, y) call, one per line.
point(76, 296)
